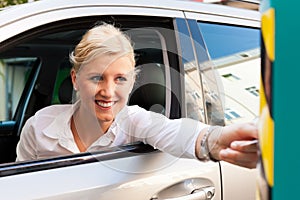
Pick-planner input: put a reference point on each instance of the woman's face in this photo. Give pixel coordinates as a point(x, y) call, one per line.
point(104, 85)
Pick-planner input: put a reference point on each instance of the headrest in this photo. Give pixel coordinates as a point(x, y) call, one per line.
point(149, 91)
point(65, 91)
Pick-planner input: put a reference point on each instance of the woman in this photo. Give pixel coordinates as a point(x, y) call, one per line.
point(103, 75)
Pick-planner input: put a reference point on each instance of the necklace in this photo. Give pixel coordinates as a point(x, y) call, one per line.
point(79, 143)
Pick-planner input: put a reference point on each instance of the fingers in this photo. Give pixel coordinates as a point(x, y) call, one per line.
point(242, 159)
point(249, 146)
point(246, 131)
point(238, 132)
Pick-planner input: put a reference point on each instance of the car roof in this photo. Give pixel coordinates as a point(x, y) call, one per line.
point(26, 10)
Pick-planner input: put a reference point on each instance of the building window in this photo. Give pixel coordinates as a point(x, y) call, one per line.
point(230, 114)
point(231, 77)
point(253, 90)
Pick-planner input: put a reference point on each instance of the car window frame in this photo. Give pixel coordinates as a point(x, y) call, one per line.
point(174, 108)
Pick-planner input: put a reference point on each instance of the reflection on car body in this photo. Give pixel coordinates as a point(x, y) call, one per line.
point(177, 41)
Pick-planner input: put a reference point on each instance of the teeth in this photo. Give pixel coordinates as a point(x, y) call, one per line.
point(105, 105)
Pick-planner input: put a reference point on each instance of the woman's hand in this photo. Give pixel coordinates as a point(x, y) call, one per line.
point(236, 144)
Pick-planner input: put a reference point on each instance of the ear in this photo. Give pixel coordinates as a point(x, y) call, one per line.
point(74, 77)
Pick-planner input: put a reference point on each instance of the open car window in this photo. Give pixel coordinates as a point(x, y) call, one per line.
point(49, 46)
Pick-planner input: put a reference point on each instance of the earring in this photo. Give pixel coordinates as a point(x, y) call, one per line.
point(75, 88)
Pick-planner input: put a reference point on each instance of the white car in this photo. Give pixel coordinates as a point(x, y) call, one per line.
point(198, 60)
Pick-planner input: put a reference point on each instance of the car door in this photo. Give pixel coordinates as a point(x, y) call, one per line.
point(233, 44)
point(35, 45)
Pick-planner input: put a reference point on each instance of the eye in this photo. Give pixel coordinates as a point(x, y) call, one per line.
point(97, 78)
point(121, 79)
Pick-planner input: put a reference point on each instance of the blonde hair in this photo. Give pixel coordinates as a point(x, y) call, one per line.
point(104, 39)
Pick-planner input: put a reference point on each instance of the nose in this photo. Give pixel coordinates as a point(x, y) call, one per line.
point(107, 89)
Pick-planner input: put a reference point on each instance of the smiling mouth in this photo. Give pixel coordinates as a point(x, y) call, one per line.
point(105, 104)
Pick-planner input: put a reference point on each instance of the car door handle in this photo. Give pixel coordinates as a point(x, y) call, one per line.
point(190, 189)
point(205, 193)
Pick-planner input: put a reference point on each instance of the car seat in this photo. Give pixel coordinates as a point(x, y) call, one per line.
point(149, 90)
point(65, 91)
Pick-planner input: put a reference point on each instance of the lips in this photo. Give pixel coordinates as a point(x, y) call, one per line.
point(105, 104)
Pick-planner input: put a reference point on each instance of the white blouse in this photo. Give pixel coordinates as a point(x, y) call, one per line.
point(48, 133)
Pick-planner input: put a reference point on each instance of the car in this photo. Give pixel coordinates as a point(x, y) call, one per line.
point(197, 60)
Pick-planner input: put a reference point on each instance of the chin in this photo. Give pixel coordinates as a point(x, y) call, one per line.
point(106, 118)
